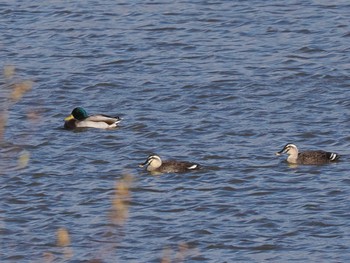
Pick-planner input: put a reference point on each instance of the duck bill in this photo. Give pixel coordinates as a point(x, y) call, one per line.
point(143, 164)
point(281, 152)
point(278, 153)
point(70, 117)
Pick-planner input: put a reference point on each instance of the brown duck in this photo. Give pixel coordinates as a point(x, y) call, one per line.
point(307, 157)
point(155, 165)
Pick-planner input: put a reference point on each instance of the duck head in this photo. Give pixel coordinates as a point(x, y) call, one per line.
point(153, 161)
point(290, 149)
point(78, 113)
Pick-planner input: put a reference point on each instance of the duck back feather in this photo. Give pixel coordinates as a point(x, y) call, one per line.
point(317, 157)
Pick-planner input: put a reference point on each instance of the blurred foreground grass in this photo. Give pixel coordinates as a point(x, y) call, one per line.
point(12, 91)
point(118, 217)
point(121, 200)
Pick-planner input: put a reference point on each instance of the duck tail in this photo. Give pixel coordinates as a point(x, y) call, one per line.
point(194, 166)
point(333, 156)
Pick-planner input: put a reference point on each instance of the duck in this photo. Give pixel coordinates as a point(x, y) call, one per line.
point(80, 119)
point(155, 164)
point(307, 157)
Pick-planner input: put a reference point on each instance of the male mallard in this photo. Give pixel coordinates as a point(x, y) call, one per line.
point(156, 165)
point(80, 119)
point(307, 157)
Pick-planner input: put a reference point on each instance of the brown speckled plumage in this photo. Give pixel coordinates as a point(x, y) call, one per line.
point(307, 157)
point(156, 165)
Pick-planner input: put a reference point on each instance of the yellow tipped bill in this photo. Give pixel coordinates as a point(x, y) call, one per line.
point(70, 117)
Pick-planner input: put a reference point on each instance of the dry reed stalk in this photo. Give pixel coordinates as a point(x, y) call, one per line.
point(9, 72)
point(63, 238)
point(166, 258)
point(3, 120)
point(121, 200)
point(19, 89)
point(23, 159)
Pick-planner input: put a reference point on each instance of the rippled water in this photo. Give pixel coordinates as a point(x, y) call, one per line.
point(222, 83)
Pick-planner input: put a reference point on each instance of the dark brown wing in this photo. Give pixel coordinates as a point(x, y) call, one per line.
point(317, 157)
point(178, 167)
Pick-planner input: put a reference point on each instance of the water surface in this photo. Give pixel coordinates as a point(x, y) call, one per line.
point(222, 83)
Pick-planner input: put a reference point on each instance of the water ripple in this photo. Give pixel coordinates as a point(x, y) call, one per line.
point(225, 84)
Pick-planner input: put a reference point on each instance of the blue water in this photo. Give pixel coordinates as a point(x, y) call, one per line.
point(222, 83)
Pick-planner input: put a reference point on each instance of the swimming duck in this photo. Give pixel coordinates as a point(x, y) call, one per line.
point(155, 165)
point(80, 119)
point(307, 157)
